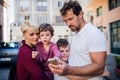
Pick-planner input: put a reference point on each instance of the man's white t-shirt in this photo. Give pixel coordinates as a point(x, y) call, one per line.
point(57, 77)
point(88, 39)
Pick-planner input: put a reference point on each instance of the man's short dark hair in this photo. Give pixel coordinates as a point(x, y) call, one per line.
point(74, 5)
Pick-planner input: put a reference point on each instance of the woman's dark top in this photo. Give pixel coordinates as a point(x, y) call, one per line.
point(28, 68)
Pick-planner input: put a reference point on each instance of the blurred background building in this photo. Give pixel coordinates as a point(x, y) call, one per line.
point(3, 19)
point(104, 14)
point(40, 11)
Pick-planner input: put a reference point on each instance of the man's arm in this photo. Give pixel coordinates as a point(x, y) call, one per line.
point(93, 69)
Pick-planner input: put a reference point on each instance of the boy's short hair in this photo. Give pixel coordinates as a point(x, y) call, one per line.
point(46, 27)
point(62, 43)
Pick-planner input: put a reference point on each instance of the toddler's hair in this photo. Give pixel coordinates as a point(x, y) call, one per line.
point(46, 27)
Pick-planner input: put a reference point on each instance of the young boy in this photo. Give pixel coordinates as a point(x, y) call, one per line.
point(63, 46)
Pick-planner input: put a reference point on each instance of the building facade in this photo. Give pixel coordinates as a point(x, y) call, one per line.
point(105, 16)
point(40, 11)
point(3, 20)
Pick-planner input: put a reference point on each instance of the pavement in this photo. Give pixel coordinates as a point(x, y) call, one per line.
point(110, 64)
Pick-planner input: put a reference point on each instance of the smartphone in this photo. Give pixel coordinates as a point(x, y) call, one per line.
point(52, 60)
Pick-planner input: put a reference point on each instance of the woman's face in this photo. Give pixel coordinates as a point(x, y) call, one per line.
point(31, 36)
point(45, 37)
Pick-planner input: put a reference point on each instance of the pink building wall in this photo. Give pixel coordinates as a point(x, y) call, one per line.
point(106, 18)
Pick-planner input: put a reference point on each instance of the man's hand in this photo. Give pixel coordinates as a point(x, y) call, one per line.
point(59, 69)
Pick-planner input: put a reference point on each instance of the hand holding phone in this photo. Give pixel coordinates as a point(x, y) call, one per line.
point(52, 60)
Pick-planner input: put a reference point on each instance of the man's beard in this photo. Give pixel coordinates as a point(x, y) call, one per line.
point(76, 30)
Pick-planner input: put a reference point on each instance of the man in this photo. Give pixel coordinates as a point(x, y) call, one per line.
point(88, 46)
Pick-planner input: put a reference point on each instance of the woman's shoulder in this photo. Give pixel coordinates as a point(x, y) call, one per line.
point(24, 47)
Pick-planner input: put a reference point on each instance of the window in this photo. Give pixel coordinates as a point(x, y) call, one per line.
point(66, 37)
point(118, 2)
point(115, 37)
point(42, 19)
point(99, 11)
point(59, 4)
point(113, 4)
point(101, 28)
point(24, 5)
point(26, 17)
point(42, 6)
point(60, 36)
point(21, 18)
point(59, 19)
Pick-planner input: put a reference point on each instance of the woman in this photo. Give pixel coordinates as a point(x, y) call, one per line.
point(28, 68)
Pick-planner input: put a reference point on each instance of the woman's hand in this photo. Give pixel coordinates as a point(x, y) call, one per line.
point(34, 54)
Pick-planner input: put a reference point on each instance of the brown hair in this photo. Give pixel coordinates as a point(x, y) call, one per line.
point(62, 43)
point(74, 5)
point(46, 27)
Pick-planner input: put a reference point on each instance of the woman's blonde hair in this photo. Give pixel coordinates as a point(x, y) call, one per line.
point(27, 25)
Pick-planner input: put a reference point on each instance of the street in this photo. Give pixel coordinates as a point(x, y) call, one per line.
point(4, 72)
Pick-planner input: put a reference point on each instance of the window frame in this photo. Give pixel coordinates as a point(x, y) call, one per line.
point(99, 11)
point(116, 4)
point(114, 38)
